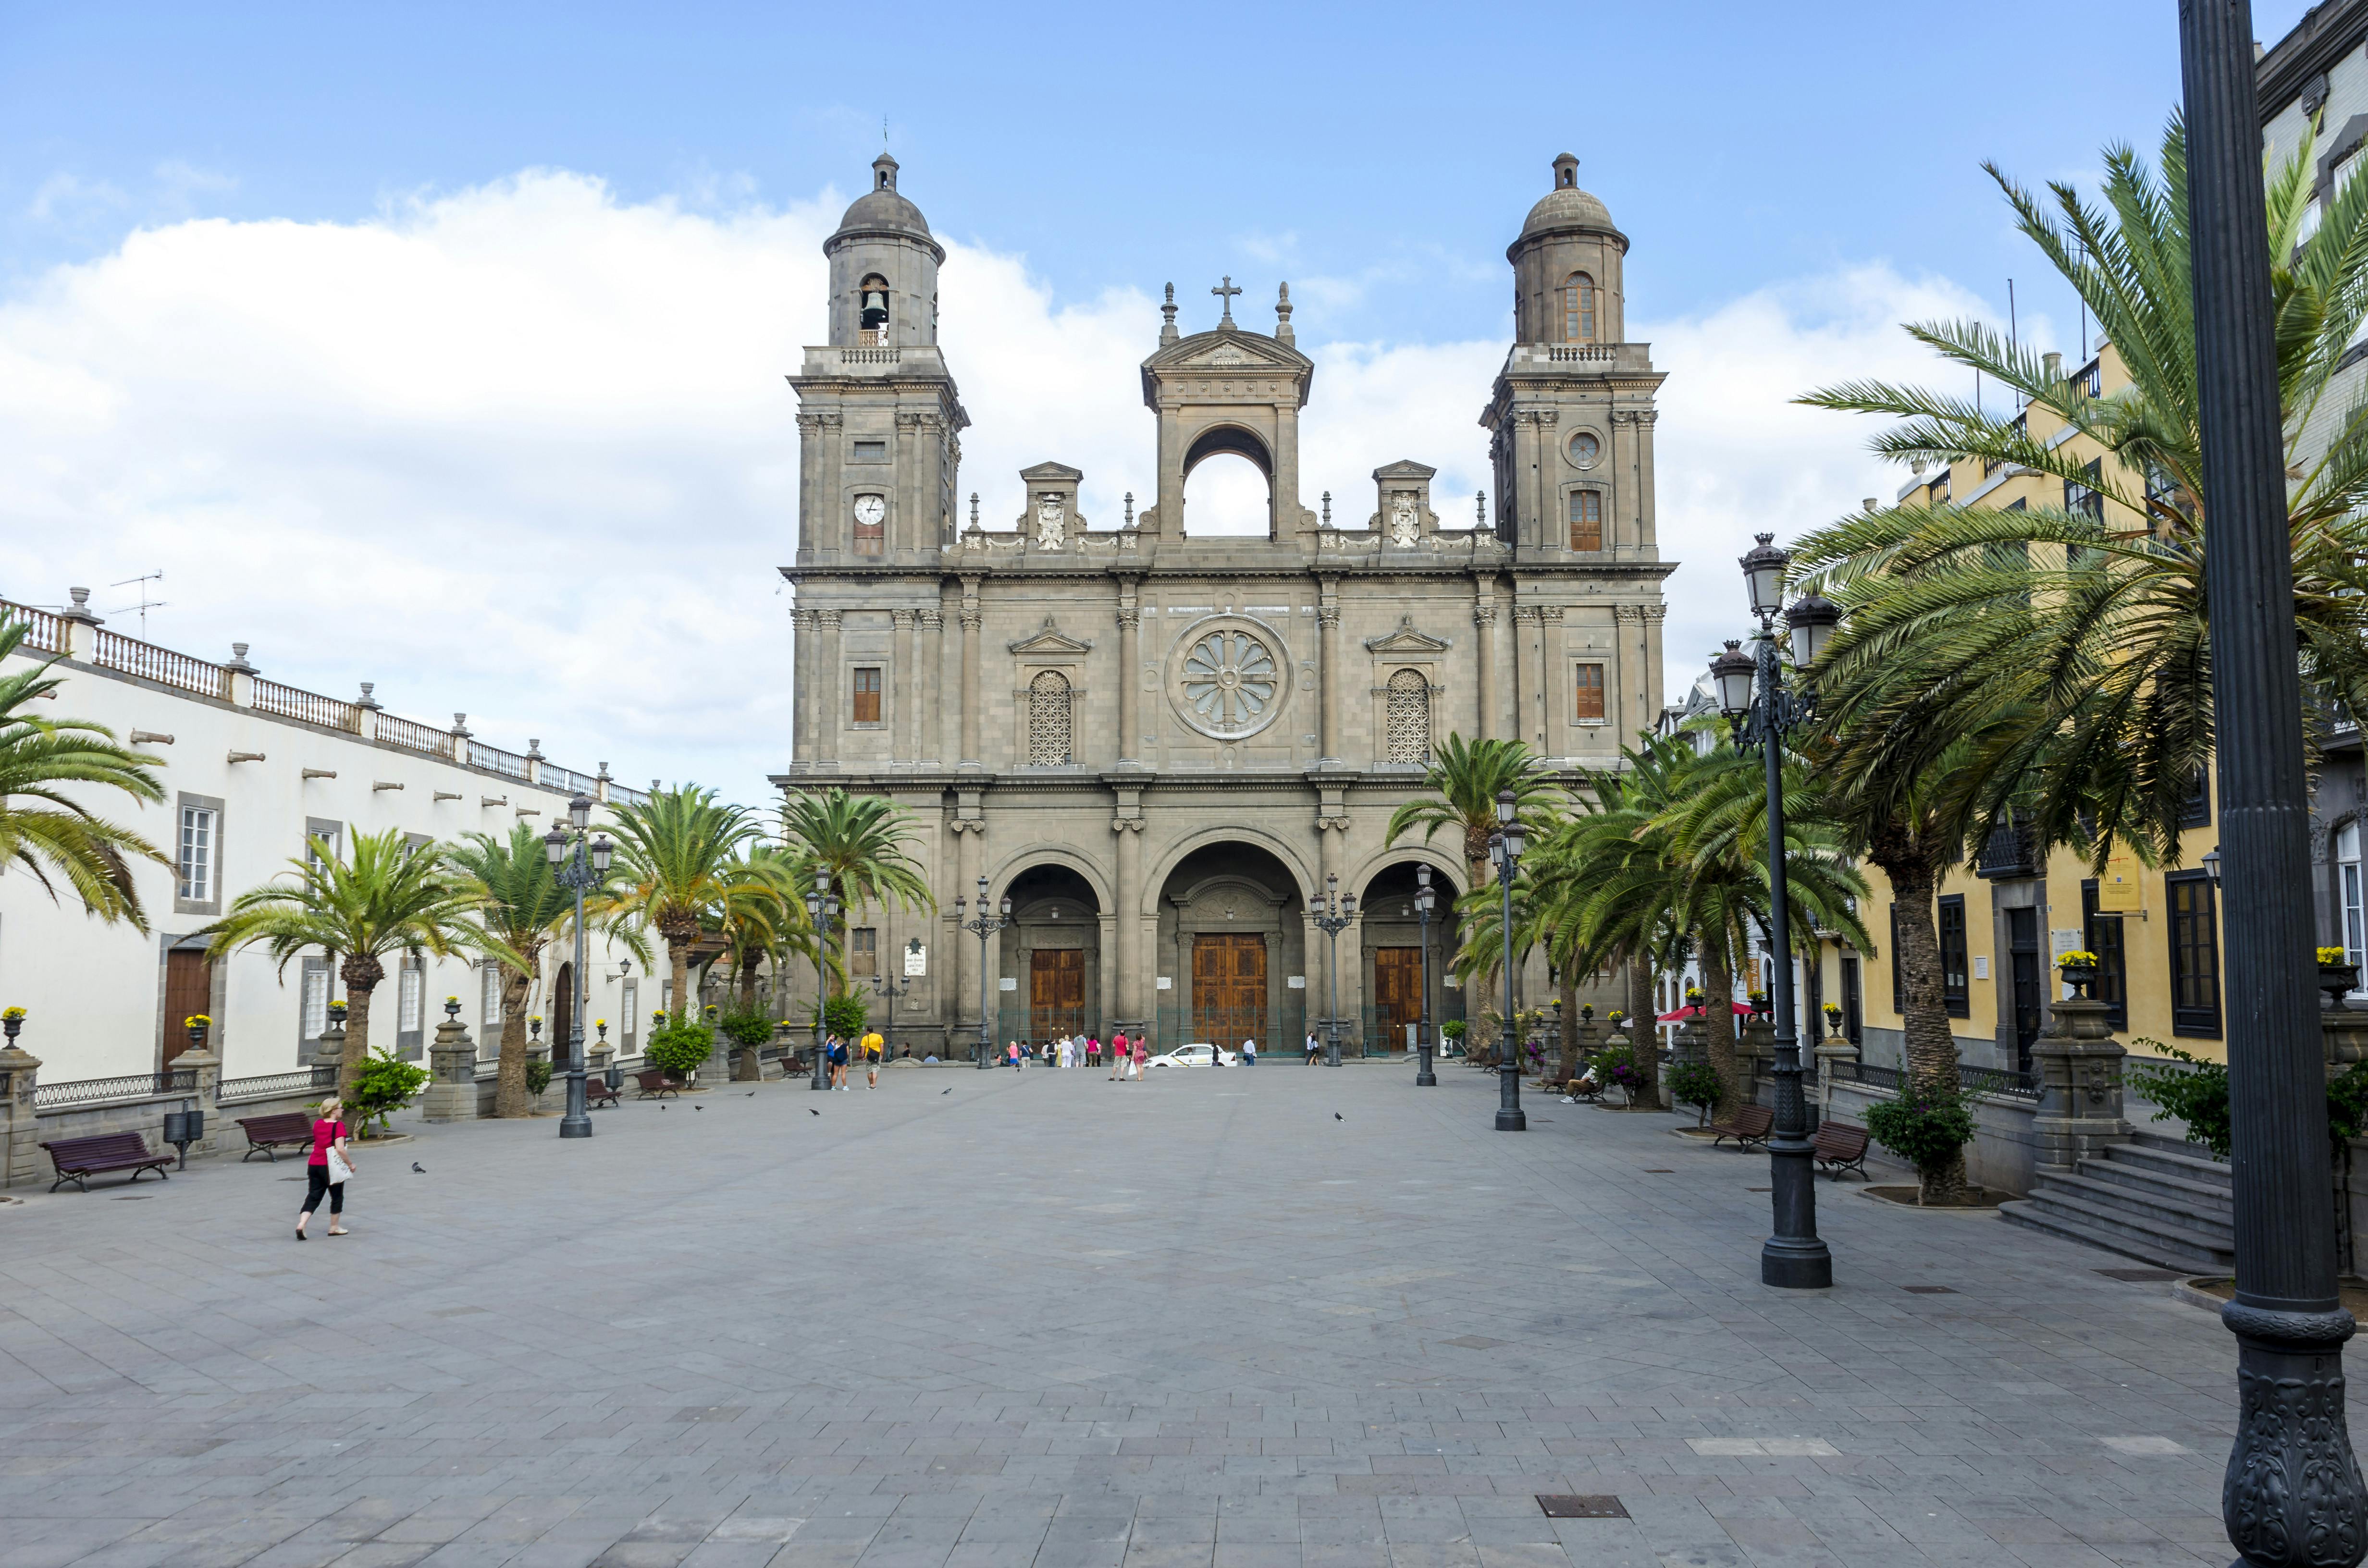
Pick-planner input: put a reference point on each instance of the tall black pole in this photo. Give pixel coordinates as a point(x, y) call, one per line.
point(821, 993)
point(577, 1123)
point(1424, 1077)
point(1793, 1257)
point(2293, 1492)
point(1509, 1117)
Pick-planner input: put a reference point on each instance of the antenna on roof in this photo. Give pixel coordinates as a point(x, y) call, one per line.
point(146, 603)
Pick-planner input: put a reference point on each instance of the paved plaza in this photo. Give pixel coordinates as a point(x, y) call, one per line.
point(1276, 1318)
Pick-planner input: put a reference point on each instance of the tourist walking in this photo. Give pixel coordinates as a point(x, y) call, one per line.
point(838, 1063)
point(326, 1170)
point(1118, 1056)
point(874, 1046)
point(1015, 1056)
point(1093, 1050)
point(1249, 1052)
point(1312, 1048)
point(1142, 1054)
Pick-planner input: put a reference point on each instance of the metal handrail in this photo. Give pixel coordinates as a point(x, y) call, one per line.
point(130, 1087)
point(273, 1086)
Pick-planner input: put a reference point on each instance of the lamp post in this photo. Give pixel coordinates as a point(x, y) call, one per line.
point(581, 866)
point(822, 908)
point(890, 993)
point(1505, 847)
point(1333, 916)
point(986, 923)
point(1793, 1257)
point(2293, 1491)
point(1424, 901)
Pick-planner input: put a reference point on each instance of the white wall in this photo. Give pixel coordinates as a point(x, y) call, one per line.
point(93, 994)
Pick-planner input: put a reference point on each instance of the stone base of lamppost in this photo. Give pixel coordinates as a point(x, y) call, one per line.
point(577, 1121)
point(1424, 1078)
point(2292, 1468)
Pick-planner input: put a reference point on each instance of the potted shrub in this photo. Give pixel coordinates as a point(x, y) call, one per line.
point(384, 1086)
point(678, 1047)
point(1452, 1031)
point(748, 1031)
point(1694, 1084)
point(1926, 1126)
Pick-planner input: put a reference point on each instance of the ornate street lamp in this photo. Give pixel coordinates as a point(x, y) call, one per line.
point(1334, 914)
point(582, 865)
point(890, 993)
point(1793, 1257)
point(1424, 901)
point(1505, 848)
point(986, 923)
point(2293, 1492)
point(821, 909)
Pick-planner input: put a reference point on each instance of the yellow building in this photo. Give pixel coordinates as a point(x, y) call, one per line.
point(2003, 919)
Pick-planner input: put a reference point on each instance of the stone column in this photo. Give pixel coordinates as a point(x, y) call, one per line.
point(208, 1067)
point(1553, 670)
point(451, 1092)
point(2078, 1065)
point(904, 691)
point(19, 1142)
point(970, 835)
point(1484, 654)
point(828, 701)
point(1527, 709)
point(971, 619)
point(1130, 686)
point(1328, 616)
point(1129, 824)
point(933, 670)
point(801, 687)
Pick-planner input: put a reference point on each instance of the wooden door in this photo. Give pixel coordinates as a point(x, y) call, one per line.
point(1056, 992)
point(189, 990)
point(1397, 993)
point(1229, 989)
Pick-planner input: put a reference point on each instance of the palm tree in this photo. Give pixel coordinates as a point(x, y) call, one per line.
point(525, 908)
point(678, 858)
point(1464, 780)
point(392, 896)
point(764, 917)
point(60, 835)
point(860, 841)
point(2094, 635)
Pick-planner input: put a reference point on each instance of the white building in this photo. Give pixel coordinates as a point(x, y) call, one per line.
point(253, 770)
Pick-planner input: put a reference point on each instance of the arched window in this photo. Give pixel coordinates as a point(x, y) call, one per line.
point(1579, 308)
point(1408, 719)
point(1048, 719)
point(871, 319)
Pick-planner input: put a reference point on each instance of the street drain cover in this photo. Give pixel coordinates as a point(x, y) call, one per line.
point(1659, 1170)
point(1475, 1342)
point(1929, 1289)
point(1582, 1507)
point(2140, 1276)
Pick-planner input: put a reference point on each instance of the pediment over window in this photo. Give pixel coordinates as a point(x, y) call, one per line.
point(1230, 350)
point(1049, 641)
point(1406, 640)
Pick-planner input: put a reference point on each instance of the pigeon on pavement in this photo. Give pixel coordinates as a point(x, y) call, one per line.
point(1335, 1116)
point(420, 1168)
point(810, 1111)
point(947, 1090)
point(699, 1108)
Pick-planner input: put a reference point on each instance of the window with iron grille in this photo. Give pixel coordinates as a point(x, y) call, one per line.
point(489, 997)
point(315, 1017)
point(1049, 719)
point(1409, 717)
point(2195, 955)
point(867, 695)
point(631, 1006)
point(1587, 519)
point(2101, 934)
point(1956, 990)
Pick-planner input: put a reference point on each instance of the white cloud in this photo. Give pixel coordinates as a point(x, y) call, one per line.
point(524, 449)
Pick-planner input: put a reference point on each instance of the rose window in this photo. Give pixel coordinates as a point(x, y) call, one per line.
point(1230, 681)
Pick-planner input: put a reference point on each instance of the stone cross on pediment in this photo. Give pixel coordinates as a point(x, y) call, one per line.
point(1225, 291)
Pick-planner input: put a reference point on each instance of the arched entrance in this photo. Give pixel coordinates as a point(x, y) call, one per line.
point(1052, 983)
point(1394, 950)
point(1231, 953)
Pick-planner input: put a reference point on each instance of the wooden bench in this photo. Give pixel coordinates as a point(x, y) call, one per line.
point(654, 1084)
point(597, 1092)
point(1750, 1125)
point(265, 1134)
point(76, 1159)
point(1840, 1147)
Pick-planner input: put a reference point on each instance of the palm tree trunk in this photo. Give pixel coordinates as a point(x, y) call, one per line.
point(1570, 994)
point(748, 963)
point(361, 973)
point(1718, 1023)
point(678, 961)
point(1929, 1049)
point(1641, 1033)
point(509, 1076)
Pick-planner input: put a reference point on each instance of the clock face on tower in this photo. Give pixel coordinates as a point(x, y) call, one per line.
point(870, 510)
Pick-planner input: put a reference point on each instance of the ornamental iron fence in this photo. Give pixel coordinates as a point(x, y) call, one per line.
point(278, 1086)
point(100, 1091)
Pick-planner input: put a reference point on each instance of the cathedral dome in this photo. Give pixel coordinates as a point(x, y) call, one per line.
point(882, 207)
point(1567, 206)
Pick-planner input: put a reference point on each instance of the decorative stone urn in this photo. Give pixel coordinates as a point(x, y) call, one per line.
point(451, 1092)
point(2078, 1065)
point(1755, 1049)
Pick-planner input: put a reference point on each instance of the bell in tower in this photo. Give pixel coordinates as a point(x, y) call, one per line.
point(883, 270)
point(872, 322)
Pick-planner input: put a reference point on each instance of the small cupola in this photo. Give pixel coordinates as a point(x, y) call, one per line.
point(1566, 169)
point(883, 171)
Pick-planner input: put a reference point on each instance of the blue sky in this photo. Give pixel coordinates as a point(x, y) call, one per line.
point(468, 323)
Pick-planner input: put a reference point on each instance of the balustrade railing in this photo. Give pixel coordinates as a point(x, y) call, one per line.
point(44, 630)
point(557, 778)
point(497, 759)
point(2004, 1082)
point(75, 1092)
point(413, 735)
point(165, 667)
point(618, 792)
point(270, 697)
point(277, 1086)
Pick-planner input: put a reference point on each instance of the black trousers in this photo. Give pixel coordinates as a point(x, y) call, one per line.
point(317, 1182)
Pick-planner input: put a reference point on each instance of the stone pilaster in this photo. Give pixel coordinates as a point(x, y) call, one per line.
point(1832, 1052)
point(1529, 703)
point(932, 728)
point(830, 701)
point(1328, 616)
point(1754, 1050)
point(1128, 825)
point(1484, 654)
point(451, 1092)
point(2078, 1065)
point(1130, 682)
point(801, 687)
point(971, 619)
point(21, 1070)
point(903, 711)
point(208, 1067)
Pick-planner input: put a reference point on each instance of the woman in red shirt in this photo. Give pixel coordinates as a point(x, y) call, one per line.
point(328, 1138)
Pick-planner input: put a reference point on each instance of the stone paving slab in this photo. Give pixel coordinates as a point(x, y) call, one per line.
point(1275, 1318)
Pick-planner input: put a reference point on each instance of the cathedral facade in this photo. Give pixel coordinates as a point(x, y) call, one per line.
point(1162, 749)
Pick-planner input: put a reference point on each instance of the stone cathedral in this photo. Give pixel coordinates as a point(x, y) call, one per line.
point(1160, 748)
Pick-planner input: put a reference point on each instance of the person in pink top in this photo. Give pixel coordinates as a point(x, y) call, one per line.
point(1142, 1054)
point(328, 1138)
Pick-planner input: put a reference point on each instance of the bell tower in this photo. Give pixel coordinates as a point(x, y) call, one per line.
point(1228, 389)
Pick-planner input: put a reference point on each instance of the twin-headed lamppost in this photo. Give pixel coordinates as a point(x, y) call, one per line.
point(1793, 1257)
point(1334, 914)
point(986, 923)
point(1505, 848)
point(581, 866)
point(821, 909)
point(1425, 901)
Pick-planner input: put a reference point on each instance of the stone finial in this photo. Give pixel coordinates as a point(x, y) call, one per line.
point(604, 771)
point(1129, 508)
point(1327, 508)
point(1283, 332)
point(534, 748)
point(1871, 503)
point(1480, 508)
point(366, 699)
point(1167, 317)
point(80, 609)
point(461, 725)
point(238, 659)
point(974, 511)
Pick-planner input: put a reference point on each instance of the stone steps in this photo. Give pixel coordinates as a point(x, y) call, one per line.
point(2153, 1197)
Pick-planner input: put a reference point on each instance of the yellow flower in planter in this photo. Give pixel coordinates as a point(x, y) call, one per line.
point(12, 1012)
point(2077, 959)
point(196, 1020)
point(2333, 955)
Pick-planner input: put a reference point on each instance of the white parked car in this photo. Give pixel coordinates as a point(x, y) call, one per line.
point(1196, 1056)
